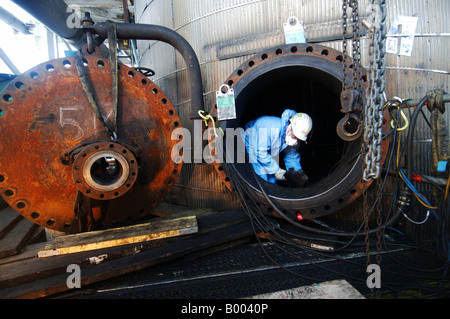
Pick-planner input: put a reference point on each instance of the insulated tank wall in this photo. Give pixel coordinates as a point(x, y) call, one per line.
point(226, 33)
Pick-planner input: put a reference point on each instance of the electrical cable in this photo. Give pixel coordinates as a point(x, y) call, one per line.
point(308, 248)
point(444, 239)
point(389, 286)
point(399, 103)
point(275, 234)
point(418, 195)
point(322, 232)
point(442, 234)
point(256, 215)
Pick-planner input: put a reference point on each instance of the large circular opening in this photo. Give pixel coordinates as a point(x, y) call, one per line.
point(304, 80)
point(106, 171)
point(302, 89)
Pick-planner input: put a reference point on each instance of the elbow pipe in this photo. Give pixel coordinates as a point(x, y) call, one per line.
point(160, 33)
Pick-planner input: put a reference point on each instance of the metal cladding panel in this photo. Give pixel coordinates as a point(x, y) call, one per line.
point(226, 33)
point(156, 55)
point(413, 76)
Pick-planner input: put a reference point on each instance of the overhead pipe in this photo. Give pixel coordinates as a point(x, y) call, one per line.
point(160, 33)
point(12, 21)
point(416, 102)
point(55, 16)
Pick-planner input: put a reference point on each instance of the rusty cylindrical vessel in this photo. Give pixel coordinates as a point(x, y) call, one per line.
point(306, 78)
point(61, 169)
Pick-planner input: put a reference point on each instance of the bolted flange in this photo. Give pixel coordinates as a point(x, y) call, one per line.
point(105, 170)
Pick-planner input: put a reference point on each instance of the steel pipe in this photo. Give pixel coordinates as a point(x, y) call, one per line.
point(54, 15)
point(307, 78)
point(12, 21)
point(160, 33)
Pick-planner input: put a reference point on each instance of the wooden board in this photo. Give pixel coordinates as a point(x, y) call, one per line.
point(8, 218)
point(41, 277)
point(15, 232)
point(120, 236)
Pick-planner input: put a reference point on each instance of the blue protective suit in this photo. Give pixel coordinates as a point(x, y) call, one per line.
point(264, 139)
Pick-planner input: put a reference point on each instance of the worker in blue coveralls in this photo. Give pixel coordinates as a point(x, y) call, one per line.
point(268, 136)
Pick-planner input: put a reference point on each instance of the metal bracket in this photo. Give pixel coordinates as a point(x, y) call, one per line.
point(349, 99)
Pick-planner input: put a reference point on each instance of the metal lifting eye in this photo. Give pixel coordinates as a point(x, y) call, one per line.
point(349, 128)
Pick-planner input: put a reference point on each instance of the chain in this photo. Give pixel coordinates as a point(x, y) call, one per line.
point(344, 43)
point(373, 119)
point(356, 46)
point(366, 225)
point(346, 4)
point(379, 224)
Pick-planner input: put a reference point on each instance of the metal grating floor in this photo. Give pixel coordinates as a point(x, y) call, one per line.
point(245, 271)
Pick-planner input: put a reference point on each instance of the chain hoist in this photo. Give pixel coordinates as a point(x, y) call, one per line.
point(373, 117)
point(355, 88)
point(349, 128)
point(351, 96)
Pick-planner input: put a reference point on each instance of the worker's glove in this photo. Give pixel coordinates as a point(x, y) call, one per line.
point(279, 175)
point(296, 178)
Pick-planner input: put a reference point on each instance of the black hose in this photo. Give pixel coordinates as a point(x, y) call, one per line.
point(160, 33)
point(319, 231)
point(410, 138)
point(409, 168)
point(231, 171)
point(388, 223)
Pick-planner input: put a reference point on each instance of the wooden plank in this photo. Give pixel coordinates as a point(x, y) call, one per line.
point(135, 262)
point(168, 211)
point(8, 218)
point(120, 236)
point(27, 267)
point(3, 204)
point(33, 269)
point(29, 252)
point(14, 241)
point(40, 277)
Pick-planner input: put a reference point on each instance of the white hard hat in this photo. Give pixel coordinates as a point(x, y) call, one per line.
point(301, 125)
